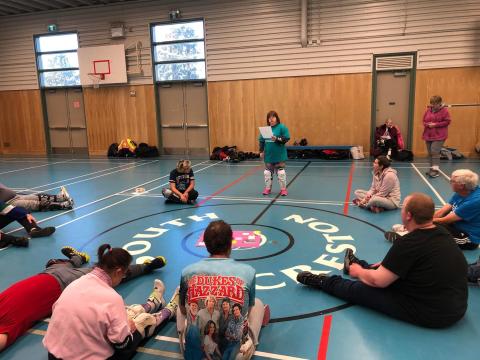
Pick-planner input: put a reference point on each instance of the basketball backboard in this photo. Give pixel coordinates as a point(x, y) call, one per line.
point(102, 65)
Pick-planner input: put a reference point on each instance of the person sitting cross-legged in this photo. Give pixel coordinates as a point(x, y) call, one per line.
point(384, 193)
point(421, 280)
point(182, 183)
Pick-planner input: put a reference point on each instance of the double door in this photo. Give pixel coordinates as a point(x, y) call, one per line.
point(66, 121)
point(184, 118)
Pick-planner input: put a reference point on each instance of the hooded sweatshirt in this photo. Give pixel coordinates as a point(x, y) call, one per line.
point(386, 185)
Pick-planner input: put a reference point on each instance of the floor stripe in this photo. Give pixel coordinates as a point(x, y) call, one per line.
point(247, 174)
point(444, 175)
point(278, 195)
point(322, 350)
point(99, 176)
point(102, 199)
point(76, 177)
point(169, 354)
point(349, 188)
point(442, 201)
point(34, 167)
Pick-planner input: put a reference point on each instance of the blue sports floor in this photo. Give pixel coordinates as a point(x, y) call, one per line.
point(309, 229)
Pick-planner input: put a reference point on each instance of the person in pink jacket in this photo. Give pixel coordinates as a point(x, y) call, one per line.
point(435, 121)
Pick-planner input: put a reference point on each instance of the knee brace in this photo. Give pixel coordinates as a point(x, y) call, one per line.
point(268, 174)
point(167, 193)
point(282, 178)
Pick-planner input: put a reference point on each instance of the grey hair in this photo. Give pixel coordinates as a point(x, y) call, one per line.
point(466, 177)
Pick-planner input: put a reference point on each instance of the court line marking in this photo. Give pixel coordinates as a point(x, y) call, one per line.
point(77, 177)
point(247, 174)
point(99, 176)
point(444, 175)
point(34, 167)
point(124, 200)
point(98, 200)
point(323, 348)
point(175, 355)
point(429, 185)
point(349, 189)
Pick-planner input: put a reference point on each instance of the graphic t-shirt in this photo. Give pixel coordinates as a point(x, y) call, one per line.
point(432, 275)
point(181, 180)
point(468, 208)
point(210, 290)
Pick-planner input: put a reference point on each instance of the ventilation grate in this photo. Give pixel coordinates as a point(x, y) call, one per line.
point(394, 63)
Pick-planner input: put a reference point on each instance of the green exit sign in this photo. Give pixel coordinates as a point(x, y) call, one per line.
point(52, 27)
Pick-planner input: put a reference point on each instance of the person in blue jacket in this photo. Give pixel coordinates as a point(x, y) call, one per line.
point(274, 154)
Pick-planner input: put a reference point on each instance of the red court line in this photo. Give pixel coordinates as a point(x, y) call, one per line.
point(349, 189)
point(247, 174)
point(322, 349)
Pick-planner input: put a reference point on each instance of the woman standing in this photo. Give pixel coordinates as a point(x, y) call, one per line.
point(435, 121)
point(274, 153)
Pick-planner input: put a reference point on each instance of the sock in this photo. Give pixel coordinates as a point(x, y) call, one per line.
point(162, 315)
point(435, 167)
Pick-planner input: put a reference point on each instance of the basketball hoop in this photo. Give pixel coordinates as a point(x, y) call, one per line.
point(95, 79)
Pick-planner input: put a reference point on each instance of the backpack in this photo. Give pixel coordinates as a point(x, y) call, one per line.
point(404, 155)
point(112, 150)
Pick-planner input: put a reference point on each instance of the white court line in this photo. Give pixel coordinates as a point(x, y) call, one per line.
point(258, 353)
point(33, 167)
point(444, 175)
point(121, 201)
point(77, 177)
point(99, 176)
point(95, 201)
point(429, 185)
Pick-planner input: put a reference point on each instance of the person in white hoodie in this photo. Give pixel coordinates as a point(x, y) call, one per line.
point(384, 193)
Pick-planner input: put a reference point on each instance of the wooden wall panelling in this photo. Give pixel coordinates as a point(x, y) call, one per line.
point(456, 86)
point(21, 122)
point(231, 114)
point(112, 114)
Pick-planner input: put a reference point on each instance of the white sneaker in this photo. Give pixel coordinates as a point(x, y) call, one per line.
point(145, 324)
point(398, 228)
point(134, 310)
point(64, 193)
point(156, 297)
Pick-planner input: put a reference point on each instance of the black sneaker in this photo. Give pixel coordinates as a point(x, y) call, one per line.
point(307, 278)
point(349, 260)
point(38, 232)
point(391, 236)
point(20, 242)
point(70, 252)
point(157, 263)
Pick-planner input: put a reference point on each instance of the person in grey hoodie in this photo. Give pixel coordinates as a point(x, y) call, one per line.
point(384, 193)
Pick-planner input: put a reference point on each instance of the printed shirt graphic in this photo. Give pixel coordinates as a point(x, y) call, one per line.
point(214, 290)
point(181, 180)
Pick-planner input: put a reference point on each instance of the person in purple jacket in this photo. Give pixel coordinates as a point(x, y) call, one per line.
point(435, 121)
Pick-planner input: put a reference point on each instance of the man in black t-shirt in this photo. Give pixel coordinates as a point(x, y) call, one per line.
point(422, 279)
point(182, 183)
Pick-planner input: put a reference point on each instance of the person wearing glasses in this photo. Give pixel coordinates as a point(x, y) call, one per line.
point(461, 216)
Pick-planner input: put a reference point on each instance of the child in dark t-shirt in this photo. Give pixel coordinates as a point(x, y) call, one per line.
point(182, 183)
